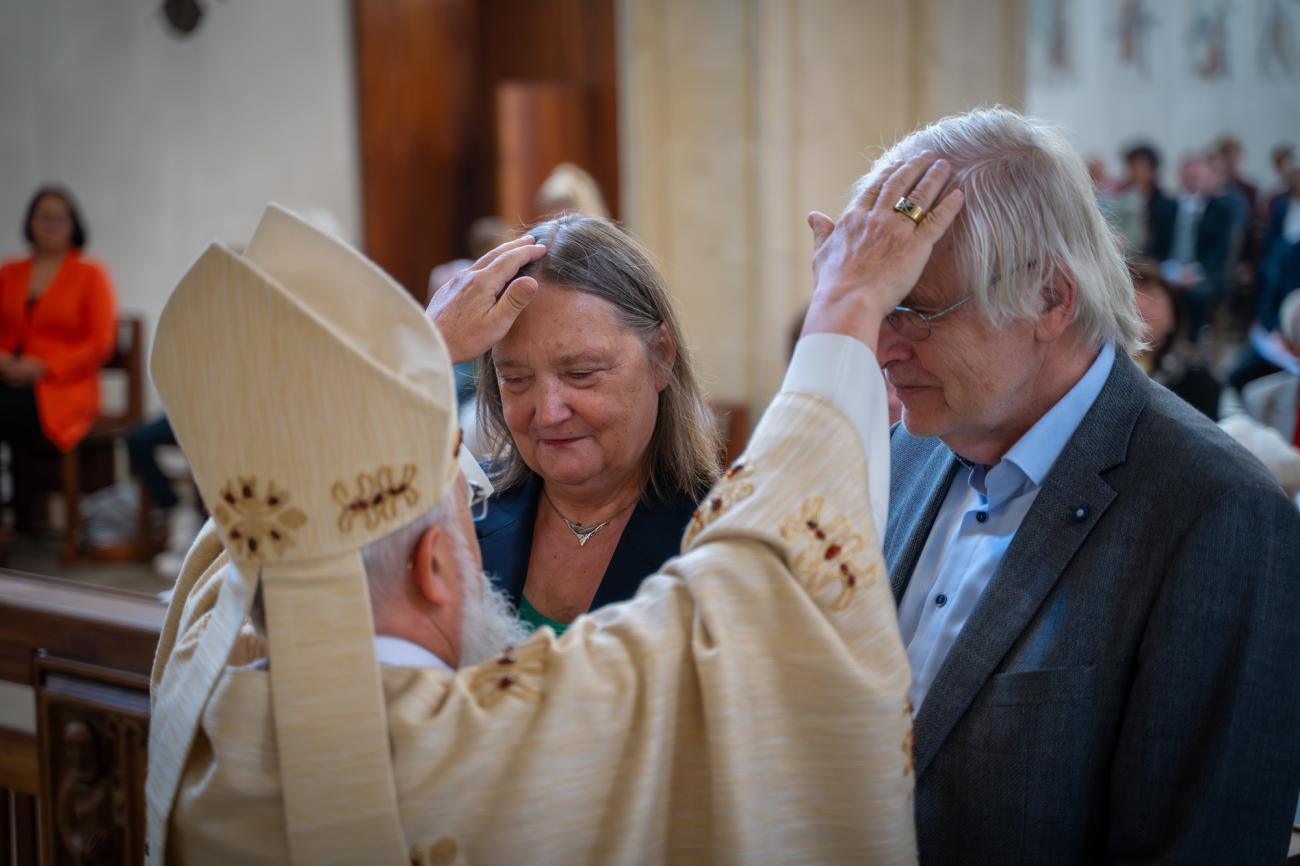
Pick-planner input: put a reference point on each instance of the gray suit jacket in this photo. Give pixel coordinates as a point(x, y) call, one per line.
point(1128, 688)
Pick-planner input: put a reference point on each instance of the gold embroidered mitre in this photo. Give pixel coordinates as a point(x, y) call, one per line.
point(316, 405)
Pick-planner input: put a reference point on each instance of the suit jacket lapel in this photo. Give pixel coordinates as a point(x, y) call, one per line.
point(913, 508)
point(1072, 500)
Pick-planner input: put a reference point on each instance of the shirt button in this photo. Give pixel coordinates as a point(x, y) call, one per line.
point(982, 516)
point(941, 599)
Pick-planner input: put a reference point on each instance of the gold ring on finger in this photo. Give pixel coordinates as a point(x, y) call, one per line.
point(910, 209)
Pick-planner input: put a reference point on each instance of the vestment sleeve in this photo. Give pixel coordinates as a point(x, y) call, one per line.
point(748, 703)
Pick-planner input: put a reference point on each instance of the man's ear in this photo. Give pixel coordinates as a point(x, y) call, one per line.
point(663, 355)
point(1060, 299)
point(431, 569)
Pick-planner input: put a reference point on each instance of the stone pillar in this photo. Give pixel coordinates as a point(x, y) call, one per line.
point(740, 116)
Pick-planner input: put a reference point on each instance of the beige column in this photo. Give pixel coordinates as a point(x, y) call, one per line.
point(740, 116)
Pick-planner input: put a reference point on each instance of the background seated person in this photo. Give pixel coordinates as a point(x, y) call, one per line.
point(600, 441)
point(1275, 400)
point(57, 328)
point(1177, 365)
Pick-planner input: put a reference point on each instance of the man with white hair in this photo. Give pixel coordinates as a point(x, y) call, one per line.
point(748, 706)
point(1099, 592)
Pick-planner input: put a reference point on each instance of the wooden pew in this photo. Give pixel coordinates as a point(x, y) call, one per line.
point(74, 716)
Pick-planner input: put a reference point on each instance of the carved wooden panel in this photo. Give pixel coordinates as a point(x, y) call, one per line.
point(93, 726)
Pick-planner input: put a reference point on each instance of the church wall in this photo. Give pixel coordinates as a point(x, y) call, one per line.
point(1176, 74)
point(167, 142)
point(740, 116)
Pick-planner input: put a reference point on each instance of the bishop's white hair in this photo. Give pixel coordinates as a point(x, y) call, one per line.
point(1031, 211)
point(387, 559)
point(488, 621)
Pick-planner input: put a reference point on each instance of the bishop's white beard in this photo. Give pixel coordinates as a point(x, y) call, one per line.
point(489, 624)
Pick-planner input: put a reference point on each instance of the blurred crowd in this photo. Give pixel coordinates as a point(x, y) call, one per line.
point(1214, 263)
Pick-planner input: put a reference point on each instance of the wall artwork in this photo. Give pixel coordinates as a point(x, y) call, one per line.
point(1279, 30)
point(1133, 30)
point(1208, 39)
point(1052, 46)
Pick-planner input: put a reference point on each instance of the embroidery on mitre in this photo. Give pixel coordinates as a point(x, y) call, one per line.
point(255, 523)
point(440, 853)
point(509, 675)
point(822, 553)
point(733, 487)
point(375, 498)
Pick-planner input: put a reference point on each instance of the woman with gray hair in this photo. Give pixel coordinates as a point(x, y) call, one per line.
point(599, 439)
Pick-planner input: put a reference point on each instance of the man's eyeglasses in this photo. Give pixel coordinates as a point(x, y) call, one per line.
point(915, 325)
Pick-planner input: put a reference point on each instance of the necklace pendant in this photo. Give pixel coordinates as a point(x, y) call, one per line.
point(583, 533)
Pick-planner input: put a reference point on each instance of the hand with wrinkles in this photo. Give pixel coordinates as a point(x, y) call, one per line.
point(476, 307)
point(868, 261)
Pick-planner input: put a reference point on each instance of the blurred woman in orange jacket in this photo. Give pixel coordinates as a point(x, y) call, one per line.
point(57, 328)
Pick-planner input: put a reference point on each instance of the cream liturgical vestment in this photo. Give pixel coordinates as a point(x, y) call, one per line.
point(748, 706)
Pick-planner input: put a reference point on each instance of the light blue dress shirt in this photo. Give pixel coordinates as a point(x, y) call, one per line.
point(974, 528)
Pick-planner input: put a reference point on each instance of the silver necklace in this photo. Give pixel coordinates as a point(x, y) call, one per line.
point(580, 532)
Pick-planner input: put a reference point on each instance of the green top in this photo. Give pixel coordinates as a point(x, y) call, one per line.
point(535, 619)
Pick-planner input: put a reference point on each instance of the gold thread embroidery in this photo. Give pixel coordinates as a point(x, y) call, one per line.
point(376, 497)
point(253, 522)
point(733, 487)
point(440, 853)
point(507, 675)
point(822, 553)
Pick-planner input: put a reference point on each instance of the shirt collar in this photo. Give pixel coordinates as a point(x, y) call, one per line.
point(1035, 453)
point(396, 652)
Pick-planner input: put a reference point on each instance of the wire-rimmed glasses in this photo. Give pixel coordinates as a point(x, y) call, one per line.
point(915, 325)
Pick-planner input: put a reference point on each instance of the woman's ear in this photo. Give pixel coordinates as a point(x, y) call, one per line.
point(431, 569)
point(663, 355)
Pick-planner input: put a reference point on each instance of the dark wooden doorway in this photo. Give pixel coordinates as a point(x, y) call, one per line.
point(433, 78)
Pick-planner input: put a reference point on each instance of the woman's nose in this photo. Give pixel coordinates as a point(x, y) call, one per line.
point(552, 406)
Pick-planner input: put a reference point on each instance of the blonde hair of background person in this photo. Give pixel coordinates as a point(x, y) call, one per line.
point(596, 257)
point(1061, 229)
point(572, 189)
